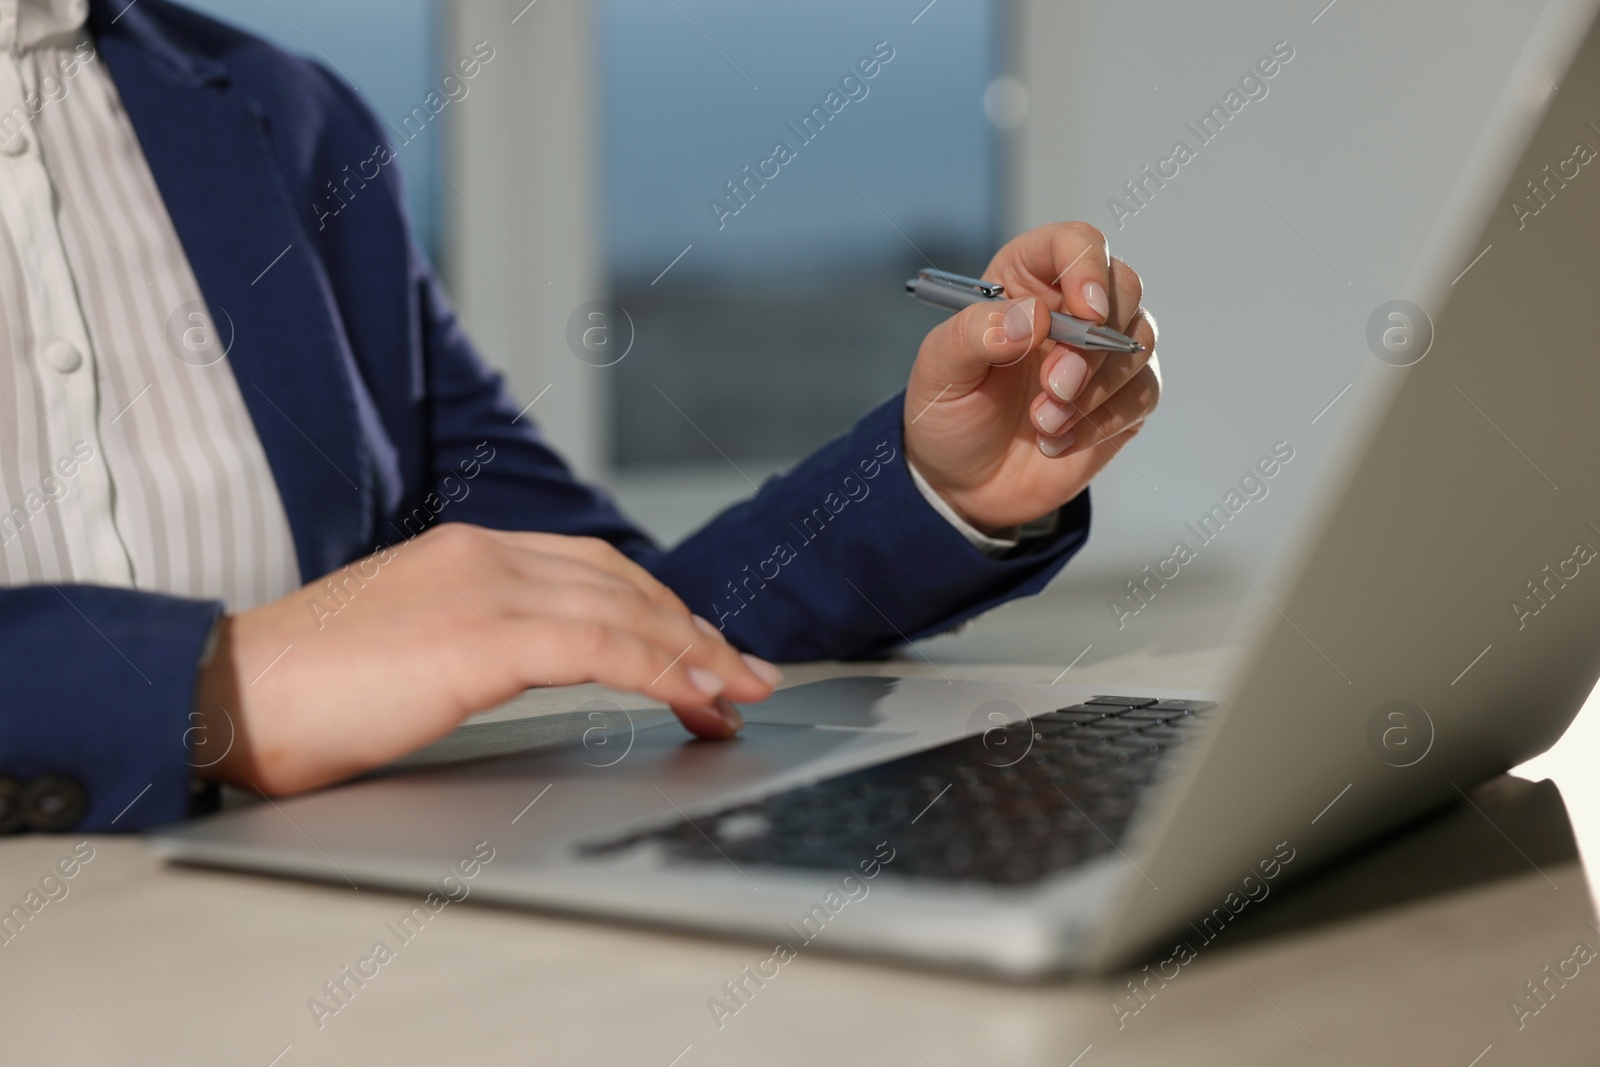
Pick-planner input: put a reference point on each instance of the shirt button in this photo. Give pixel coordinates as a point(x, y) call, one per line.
point(15, 143)
point(63, 356)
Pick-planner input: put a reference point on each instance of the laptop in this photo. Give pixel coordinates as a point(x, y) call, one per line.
point(1432, 620)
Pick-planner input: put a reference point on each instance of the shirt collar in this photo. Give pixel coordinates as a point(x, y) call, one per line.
point(25, 24)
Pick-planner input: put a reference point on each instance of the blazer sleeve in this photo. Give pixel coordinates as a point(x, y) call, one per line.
point(839, 558)
point(843, 557)
point(97, 686)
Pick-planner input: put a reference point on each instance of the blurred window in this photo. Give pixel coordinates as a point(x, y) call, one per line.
point(773, 174)
point(764, 282)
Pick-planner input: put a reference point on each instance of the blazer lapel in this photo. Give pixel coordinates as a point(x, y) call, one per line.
point(208, 147)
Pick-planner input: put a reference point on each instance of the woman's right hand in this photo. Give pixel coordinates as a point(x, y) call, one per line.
point(392, 652)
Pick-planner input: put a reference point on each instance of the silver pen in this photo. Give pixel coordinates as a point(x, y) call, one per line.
point(954, 291)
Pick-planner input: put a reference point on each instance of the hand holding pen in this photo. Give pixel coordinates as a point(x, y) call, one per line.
point(1002, 418)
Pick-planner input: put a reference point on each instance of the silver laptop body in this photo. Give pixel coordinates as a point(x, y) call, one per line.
point(1434, 621)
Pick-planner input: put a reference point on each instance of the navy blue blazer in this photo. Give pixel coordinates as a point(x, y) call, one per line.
point(377, 415)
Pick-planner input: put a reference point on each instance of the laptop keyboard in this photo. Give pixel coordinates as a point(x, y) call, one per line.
point(1008, 807)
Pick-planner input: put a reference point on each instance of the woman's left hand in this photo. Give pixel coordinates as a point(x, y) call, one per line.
point(1008, 425)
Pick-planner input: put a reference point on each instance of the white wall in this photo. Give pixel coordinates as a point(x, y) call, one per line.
point(1265, 255)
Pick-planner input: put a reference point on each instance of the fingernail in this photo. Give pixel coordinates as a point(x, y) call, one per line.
point(762, 669)
point(706, 681)
point(710, 630)
point(1019, 320)
point(1094, 294)
point(1068, 375)
point(1054, 446)
point(730, 715)
point(1053, 416)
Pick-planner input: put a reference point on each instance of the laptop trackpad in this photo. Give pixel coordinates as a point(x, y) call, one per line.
point(540, 798)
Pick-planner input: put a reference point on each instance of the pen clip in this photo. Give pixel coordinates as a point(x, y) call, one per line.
point(961, 281)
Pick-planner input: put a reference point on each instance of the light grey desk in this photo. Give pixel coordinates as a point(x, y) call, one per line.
point(1408, 955)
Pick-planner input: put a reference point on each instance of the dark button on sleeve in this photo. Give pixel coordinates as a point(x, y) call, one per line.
point(54, 803)
point(13, 815)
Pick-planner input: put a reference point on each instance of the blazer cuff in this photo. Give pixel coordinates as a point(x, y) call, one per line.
point(859, 559)
point(99, 686)
point(989, 546)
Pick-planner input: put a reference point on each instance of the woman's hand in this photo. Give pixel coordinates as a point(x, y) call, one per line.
point(1008, 425)
point(394, 651)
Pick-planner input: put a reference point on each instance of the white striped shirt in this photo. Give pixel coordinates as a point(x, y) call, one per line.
point(127, 456)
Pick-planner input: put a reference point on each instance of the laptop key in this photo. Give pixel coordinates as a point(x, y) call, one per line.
point(1076, 713)
point(1113, 729)
point(1187, 707)
point(1071, 715)
point(1122, 702)
point(1151, 714)
point(1044, 729)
